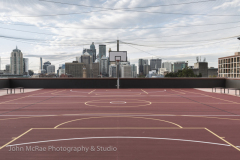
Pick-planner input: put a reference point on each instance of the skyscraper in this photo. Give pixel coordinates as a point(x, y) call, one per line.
point(141, 63)
point(155, 64)
point(102, 51)
point(50, 69)
point(75, 69)
point(86, 58)
point(167, 65)
point(16, 61)
point(8, 70)
point(91, 51)
point(179, 65)
point(45, 65)
point(104, 66)
point(126, 71)
point(113, 70)
point(25, 65)
point(134, 70)
point(40, 66)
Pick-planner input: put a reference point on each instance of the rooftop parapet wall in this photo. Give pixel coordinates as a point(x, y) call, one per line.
point(4, 83)
point(111, 82)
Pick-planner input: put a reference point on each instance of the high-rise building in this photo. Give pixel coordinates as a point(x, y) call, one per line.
point(78, 59)
point(0, 63)
point(229, 66)
point(45, 65)
point(113, 70)
point(40, 66)
point(51, 69)
point(8, 70)
point(95, 70)
point(141, 63)
point(75, 69)
point(167, 65)
point(16, 61)
point(25, 65)
point(91, 51)
point(86, 58)
point(180, 65)
point(61, 69)
point(146, 69)
point(102, 51)
point(126, 71)
point(155, 64)
point(201, 67)
point(104, 64)
point(134, 70)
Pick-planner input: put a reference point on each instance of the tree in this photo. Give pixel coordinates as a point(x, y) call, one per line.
point(30, 72)
point(186, 72)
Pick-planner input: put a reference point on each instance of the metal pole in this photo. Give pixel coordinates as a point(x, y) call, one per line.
point(118, 45)
point(117, 74)
point(118, 66)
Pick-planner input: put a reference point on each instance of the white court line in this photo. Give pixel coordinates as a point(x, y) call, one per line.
point(152, 115)
point(119, 137)
point(71, 96)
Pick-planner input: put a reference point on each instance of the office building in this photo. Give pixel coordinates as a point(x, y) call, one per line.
point(104, 66)
point(229, 66)
point(91, 51)
point(167, 65)
point(155, 64)
point(25, 65)
point(201, 67)
point(161, 71)
point(7, 69)
point(86, 58)
point(16, 62)
point(61, 69)
point(146, 69)
point(134, 70)
point(40, 66)
point(78, 59)
point(75, 69)
point(113, 70)
point(51, 69)
point(95, 70)
point(141, 63)
point(45, 65)
point(102, 51)
point(180, 65)
point(126, 71)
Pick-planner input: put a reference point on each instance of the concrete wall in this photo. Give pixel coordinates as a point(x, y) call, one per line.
point(63, 83)
point(124, 82)
point(232, 83)
point(172, 83)
point(4, 83)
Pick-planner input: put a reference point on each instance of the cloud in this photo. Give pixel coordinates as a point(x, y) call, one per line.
point(72, 34)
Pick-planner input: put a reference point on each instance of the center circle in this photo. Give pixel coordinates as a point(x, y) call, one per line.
point(118, 102)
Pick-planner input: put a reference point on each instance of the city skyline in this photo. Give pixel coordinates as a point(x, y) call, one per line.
point(179, 36)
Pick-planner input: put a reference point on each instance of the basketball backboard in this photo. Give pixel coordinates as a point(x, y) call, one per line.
point(120, 56)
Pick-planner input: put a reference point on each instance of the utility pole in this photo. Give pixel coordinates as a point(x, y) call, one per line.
point(118, 66)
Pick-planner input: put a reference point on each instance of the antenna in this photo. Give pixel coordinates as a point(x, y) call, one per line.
point(204, 60)
point(197, 58)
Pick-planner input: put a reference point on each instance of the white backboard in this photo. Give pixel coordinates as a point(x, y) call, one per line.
point(118, 55)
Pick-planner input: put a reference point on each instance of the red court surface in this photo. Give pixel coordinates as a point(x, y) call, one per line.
point(125, 124)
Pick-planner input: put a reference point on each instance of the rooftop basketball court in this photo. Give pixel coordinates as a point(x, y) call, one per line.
point(129, 123)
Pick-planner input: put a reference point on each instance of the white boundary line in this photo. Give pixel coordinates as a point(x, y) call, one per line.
point(119, 137)
point(121, 115)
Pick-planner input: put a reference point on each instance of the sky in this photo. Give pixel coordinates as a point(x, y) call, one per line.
point(173, 30)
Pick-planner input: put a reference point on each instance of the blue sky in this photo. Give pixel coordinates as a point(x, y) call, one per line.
point(173, 30)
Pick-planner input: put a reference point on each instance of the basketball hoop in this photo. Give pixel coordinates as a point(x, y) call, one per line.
point(118, 56)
